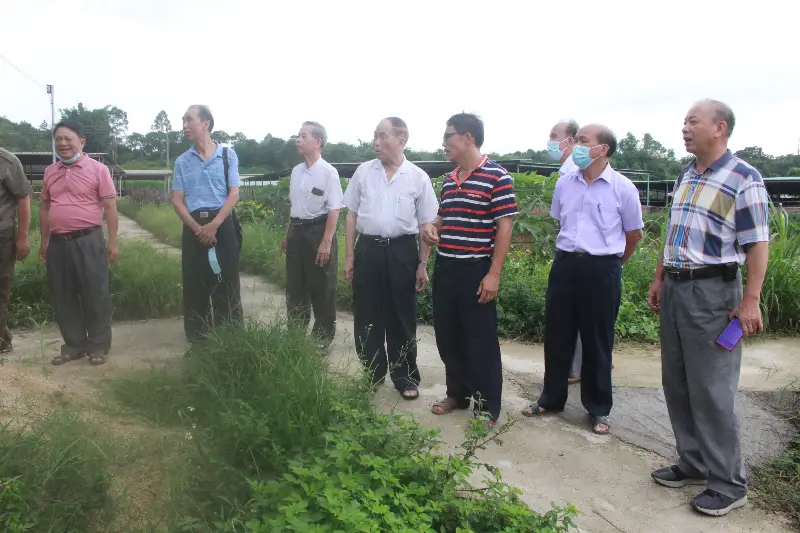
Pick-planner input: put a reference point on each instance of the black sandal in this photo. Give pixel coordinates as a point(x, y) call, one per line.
point(412, 389)
point(64, 358)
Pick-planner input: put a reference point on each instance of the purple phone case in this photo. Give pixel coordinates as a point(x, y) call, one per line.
point(731, 336)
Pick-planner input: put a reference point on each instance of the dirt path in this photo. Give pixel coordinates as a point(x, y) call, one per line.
point(553, 460)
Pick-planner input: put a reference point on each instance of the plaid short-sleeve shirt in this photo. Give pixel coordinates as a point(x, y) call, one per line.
point(716, 214)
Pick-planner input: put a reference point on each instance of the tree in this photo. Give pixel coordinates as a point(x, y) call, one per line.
point(161, 128)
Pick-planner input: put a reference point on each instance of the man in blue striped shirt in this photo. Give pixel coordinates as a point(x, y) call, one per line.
point(473, 233)
point(204, 194)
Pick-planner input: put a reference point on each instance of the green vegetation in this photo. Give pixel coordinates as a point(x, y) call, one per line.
point(54, 475)
point(275, 441)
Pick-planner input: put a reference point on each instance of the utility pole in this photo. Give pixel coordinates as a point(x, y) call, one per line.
point(167, 137)
point(50, 91)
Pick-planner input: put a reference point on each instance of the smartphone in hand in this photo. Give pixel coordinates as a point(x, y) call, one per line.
point(732, 335)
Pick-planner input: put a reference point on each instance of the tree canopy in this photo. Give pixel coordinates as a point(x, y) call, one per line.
point(107, 132)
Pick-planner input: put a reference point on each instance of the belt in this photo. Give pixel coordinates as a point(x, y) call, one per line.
point(204, 215)
point(376, 240)
point(583, 255)
point(72, 235)
point(306, 222)
point(727, 272)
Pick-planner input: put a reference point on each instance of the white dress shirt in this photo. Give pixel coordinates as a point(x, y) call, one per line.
point(568, 167)
point(391, 208)
point(314, 191)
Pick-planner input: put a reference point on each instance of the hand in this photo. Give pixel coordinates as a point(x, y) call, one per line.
point(323, 253)
point(43, 252)
point(348, 269)
point(654, 296)
point(490, 285)
point(207, 234)
point(749, 313)
point(112, 252)
point(430, 235)
point(422, 277)
point(22, 247)
point(283, 246)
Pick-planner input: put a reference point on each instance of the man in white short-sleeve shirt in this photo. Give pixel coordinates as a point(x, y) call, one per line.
point(390, 199)
point(310, 243)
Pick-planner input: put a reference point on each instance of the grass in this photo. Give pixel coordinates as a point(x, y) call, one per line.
point(54, 475)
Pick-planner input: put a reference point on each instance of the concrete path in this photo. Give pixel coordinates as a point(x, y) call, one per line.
point(551, 460)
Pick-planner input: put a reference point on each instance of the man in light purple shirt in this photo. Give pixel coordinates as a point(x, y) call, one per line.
point(600, 216)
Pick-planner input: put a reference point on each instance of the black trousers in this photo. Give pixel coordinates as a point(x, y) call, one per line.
point(7, 260)
point(209, 300)
point(308, 284)
point(385, 308)
point(583, 296)
point(77, 269)
point(466, 335)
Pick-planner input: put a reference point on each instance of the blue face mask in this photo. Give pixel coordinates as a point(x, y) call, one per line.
point(554, 150)
point(212, 260)
point(71, 159)
point(581, 157)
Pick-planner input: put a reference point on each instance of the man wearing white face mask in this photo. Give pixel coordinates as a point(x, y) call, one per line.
point(559, 148)
point(600, 216)
point(560, 145)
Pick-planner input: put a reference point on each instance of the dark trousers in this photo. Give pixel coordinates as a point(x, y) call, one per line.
point(466, 335)
point(7, 259)
point(309, 285)
point(209, 300)
point(77, 268)
point(583, 296)
point(385, 308)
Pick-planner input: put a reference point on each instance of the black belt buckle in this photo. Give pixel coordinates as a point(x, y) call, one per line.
point(729, 272)
point(384, 241)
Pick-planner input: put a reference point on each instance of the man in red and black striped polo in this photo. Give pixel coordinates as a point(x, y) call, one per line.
point(473, 233)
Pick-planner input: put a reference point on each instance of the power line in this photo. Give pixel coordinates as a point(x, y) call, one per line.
point(15, 67)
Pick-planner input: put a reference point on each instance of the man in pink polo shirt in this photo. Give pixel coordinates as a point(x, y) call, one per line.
point(76, 192)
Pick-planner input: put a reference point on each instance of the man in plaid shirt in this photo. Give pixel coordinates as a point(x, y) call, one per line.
point(718, 221)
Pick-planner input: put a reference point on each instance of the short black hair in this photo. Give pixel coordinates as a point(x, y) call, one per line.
point(204, 113)
point(399, 126)
point(73, 125)
point(468, 123)
point(607, 137)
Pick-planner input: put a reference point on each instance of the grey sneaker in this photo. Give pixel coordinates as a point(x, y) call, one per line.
point(712, 503)
point(673, 478)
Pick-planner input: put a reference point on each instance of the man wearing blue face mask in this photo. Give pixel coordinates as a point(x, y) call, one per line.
point(600, 219)
point(559, 148)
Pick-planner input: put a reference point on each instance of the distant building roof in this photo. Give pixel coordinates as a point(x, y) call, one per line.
point(157, 174)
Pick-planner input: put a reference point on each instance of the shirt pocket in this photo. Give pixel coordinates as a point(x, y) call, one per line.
point(313, 195)
point(406, 209)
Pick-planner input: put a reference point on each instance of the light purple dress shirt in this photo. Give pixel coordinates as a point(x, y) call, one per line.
point(595, 217)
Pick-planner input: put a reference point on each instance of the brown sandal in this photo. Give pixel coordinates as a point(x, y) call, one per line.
point(444, 406)
point(97, 359)
point(64, 358)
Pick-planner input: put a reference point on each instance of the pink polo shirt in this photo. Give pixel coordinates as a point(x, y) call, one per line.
point(76, 194)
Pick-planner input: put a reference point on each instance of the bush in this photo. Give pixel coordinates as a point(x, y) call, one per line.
point(284, 443)
point(53, 476)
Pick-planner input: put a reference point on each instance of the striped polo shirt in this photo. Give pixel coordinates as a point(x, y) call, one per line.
point(469, 210)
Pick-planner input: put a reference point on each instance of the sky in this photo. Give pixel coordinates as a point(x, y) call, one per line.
point(267, 66)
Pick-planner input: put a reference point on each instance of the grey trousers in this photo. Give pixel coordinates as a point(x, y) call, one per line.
point(700, 379)
point(77, 269)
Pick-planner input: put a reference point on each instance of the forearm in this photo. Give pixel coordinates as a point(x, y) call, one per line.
point(23, 216)
point(44, 221)
point(631, 242)
point(350, 233)
point(659, 275)
point(228, 207)
point(502, 243)
point(438, 223)
point(112, 221)
point(757, 258)
point(183, 213)
point(330, 225)
point(424, 249)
